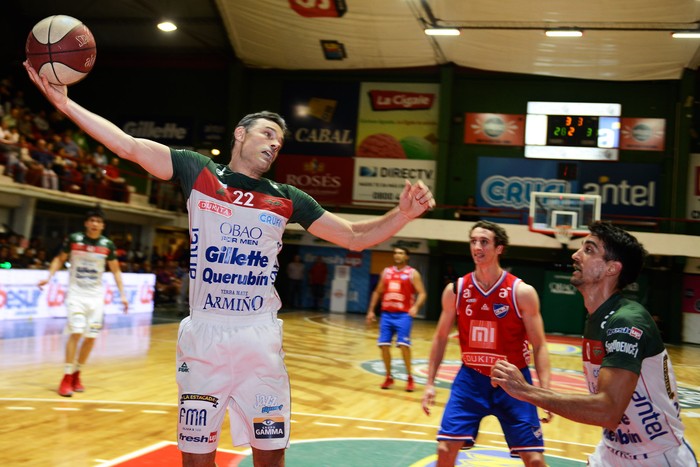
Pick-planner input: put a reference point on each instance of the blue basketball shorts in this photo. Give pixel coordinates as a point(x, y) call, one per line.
point(395, 322)
point(473, 398)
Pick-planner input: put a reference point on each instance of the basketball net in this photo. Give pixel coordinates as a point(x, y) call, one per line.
point(563, 233)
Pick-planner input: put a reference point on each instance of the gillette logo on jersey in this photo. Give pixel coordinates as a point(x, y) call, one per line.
point(228, 255)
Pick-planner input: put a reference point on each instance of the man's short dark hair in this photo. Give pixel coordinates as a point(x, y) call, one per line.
point(620, 246)
point(249, 120)
point(95, 212)
point(404, 249)
point(499, 233)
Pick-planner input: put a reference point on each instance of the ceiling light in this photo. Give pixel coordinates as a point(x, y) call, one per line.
point(563, 33)
point(442, 32)
point(166, 26)
point(686, 35)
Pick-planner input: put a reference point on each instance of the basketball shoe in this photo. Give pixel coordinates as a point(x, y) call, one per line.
point(77, 384)
point(410, 386)
point(66, 387)
point(388, 382)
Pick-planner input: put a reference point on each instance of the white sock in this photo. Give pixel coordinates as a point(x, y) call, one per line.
point(68, 369)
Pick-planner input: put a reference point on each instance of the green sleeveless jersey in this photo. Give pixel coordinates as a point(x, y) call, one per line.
point(622, 334)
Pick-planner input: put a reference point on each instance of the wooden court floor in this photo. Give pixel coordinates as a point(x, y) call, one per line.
point(130, 404)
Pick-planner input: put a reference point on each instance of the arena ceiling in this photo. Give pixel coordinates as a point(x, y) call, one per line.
point(622, 40)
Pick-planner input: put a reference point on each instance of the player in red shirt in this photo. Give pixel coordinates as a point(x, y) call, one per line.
point(498, 316)
point(402, 292)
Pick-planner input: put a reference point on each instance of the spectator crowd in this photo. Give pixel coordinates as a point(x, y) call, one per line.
point(42, 148)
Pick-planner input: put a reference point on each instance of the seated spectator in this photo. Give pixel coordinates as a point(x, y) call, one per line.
point(72, 178)
point(49, 179)
point(34, 170)
point(99, 157)
point(41, 123)
point(10, 154)
point(26, 127)
point(12, 118)
point(9, 137)
point(67, 144)
point(42, 153)
point(5, 254)
point(115, 183)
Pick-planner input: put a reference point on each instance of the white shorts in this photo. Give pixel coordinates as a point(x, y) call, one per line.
point(681, 456)
point(236, 363)
point(85, 314)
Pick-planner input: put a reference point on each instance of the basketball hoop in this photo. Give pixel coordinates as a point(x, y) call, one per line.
point(563, 233)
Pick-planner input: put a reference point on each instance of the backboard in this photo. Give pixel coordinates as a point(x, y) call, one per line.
point(552, 212)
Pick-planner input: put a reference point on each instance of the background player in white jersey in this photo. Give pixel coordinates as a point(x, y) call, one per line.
point(87, 252)
point(402, 294)
point(229, 350)
point(633, 392)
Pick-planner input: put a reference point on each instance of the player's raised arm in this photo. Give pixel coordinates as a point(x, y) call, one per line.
point(356, 236)
point(152, 156)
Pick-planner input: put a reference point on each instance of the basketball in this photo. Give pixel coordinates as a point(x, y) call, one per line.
point(61, 48)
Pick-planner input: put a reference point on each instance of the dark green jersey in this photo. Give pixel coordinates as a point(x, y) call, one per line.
point(622, 334)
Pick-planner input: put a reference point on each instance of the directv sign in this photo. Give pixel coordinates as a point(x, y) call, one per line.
point(380, 180)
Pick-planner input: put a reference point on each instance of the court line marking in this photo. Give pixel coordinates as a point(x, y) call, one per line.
point(306, 414)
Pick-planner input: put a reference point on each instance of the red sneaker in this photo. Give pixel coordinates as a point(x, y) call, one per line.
point(388, 382)
point(77, 385)
point(66, 387)
point(410, 386)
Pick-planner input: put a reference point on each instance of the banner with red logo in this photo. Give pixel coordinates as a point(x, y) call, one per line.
point(496, 129)
point(319, 8)
point(327, 179)
point(21, 298)
point(398, 121)
point(643, 134)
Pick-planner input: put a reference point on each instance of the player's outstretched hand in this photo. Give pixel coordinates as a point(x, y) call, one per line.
point(125, 304)
point(428, 398)
point(509, 377)
point(55, 93)
point(415, 199)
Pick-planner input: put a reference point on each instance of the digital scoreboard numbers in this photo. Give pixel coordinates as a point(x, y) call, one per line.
point(572, 130)
point(582, 131)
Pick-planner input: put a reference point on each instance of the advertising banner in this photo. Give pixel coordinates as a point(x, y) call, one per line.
point(628, 189)
point(21, 298)
point(398, 121)
point(321, 116)
point(327, 179)
point(176, 132)
point(380, 181)
point(496, 129)
point(643, 134)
